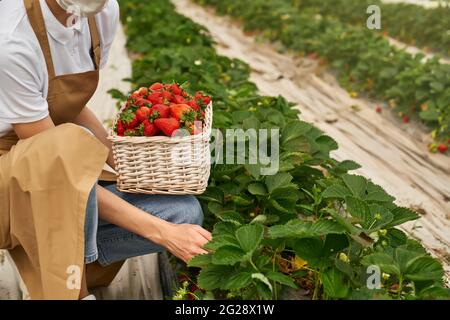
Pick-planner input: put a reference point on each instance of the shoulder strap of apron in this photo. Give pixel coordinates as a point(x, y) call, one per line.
point(96, 49)
point(34, 12)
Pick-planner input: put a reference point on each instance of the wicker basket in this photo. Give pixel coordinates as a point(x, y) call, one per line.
point(164, 165)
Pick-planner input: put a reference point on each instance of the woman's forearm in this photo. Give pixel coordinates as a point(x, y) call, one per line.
point(88, 120)
point(119, 212)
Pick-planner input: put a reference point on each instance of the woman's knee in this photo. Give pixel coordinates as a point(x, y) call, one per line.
point(188, 210)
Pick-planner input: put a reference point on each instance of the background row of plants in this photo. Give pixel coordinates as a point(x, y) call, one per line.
point(312, 226)
point(427, 28)
point(365, 61)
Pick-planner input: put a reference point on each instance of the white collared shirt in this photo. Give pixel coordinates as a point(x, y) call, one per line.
point(23, 72)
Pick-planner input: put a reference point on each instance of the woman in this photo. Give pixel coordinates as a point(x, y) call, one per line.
point(54, 218)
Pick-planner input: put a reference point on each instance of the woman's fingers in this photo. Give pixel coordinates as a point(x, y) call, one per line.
point(206, 234)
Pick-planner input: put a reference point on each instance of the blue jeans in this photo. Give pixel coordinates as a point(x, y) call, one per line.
point(109, 243)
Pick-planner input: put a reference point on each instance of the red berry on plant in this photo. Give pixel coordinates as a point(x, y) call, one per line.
point(442, 148)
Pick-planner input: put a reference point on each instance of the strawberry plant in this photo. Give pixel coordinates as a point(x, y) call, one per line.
point(412, 24)
point(364, 60)
point(313, 225)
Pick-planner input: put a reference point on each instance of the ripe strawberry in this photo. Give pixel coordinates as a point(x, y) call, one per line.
point(155, 97)
point(176, 90)
point(142, 91)
point(142, 102)
point(178, 110)
point(134, 96)
point(194, 105)
point(167, 95)
point(129, 119)
point(143, 113)
point(179, 99)
point(206, 100)
point(442, 148)
point(167, 125)
point(162, 110)
point(120, 129)
point(378, 109)
point(156, 86)
point(406, 119)
point(150, 129)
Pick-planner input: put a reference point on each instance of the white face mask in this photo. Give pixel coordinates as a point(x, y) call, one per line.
point(82, 8)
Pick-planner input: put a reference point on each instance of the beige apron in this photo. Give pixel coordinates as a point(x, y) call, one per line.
point(45, 181)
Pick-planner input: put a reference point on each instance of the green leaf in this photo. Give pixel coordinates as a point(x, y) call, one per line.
point(243, 200)
point(213, 194)
point(228, 255)
point(376, 193)
point(324, 227)
point(431, 114)
point(220, 241)
point(358, 209)
point(326, 144)
point(356, 184)
point(262, 278)
point(384, 261)
point(282, 206)
point(396, 237)
point(213, 276)
point(402, 215)
point(336, 191)
point(380, 217)
point(309, 249)
point(200, 260)
point(334, 284)
point(334, 243)
point(282, 179)
point(406, 257)
point(346, 166)
point(281, 278)
point(223, 228)
point(293, 136)
point(345, 223)
point(288, 193)
point(237, 281)
point(305, 229)
point(257, 189)
point(265, 219)
point(254, 170)
point(231, 216)
point(250, 237)
point(425, 268)
point(251, 123)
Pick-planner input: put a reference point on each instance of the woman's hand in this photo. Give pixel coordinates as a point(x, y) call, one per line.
point(185, 241)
